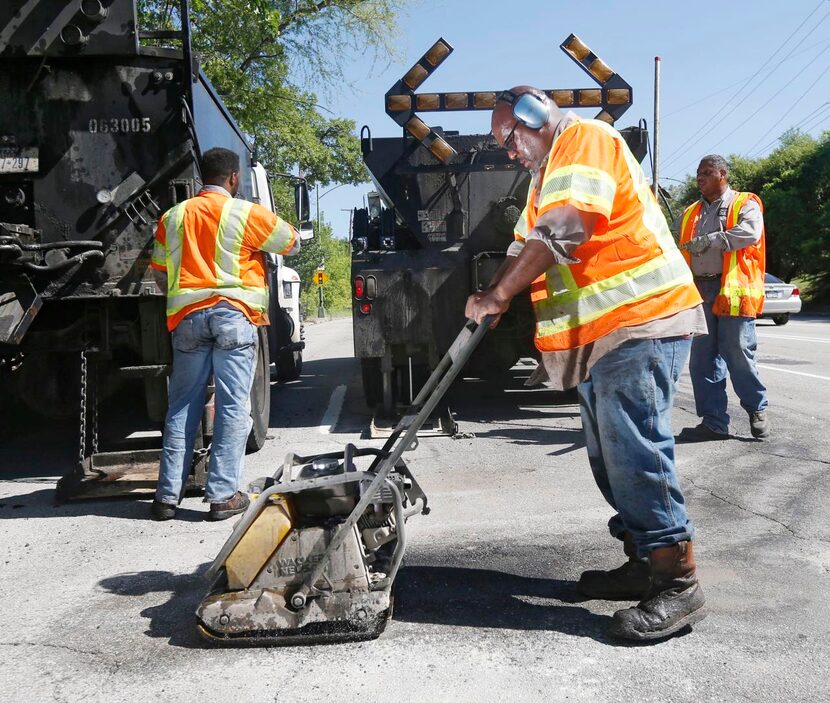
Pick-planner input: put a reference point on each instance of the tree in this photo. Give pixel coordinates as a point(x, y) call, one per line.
point(252, 50)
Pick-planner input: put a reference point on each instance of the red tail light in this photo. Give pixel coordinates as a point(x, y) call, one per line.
point(365, 308)
point(359, 287)
point(795, 292)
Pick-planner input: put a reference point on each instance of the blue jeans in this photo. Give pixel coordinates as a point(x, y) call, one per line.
point(626, 407)
point(222, 341)
point(729, 346)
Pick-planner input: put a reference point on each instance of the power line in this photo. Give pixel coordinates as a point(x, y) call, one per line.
point(740, 80)
point(739, 101)
point(775, 95)
point(753, 154)
point(817, 122)
point(734, 100)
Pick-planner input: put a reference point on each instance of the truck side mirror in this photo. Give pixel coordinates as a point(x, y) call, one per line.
point(305, 230)
point(302, 206)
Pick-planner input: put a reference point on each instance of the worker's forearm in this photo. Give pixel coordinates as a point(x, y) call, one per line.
point(506, 265)
point(535, 259)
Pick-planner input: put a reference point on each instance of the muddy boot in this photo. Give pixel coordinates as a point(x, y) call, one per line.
point(674, 601)
point(627, 582)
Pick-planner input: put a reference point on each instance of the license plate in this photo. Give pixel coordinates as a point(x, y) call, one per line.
point(773, 294)
point(14, 160)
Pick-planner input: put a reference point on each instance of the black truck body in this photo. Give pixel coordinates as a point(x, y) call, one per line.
point(438, 225)
point(99, 135)
point(445, 237)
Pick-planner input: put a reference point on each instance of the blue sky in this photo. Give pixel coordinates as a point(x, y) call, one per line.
point(734, 75)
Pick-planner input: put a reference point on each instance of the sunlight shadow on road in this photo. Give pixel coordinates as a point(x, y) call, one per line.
point(570, 439)
point(175, 619)
point(485, 598)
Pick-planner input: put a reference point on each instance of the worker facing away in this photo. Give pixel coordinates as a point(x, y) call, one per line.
point(615, 308)
point(722, 237)
point(208, 255)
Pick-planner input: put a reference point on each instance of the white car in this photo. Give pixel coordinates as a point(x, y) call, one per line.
point(780, 299)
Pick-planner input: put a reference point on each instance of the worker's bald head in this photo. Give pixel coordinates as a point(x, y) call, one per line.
point(527, 145)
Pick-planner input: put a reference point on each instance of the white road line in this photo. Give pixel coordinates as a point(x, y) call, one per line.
point(796, 373)
point(803, 339)
point(333, 410)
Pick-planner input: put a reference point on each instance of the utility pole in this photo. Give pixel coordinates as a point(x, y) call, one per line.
point(655, 166)
point(320, 278)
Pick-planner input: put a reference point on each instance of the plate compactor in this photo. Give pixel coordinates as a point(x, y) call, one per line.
point(315, 556)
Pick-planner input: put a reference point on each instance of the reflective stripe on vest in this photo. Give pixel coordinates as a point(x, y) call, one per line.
point(173, 243)
point(254, 297)
point(737, 297)
point(280, 237)
point(564, 310)
point(229, 241)
point(591, 185)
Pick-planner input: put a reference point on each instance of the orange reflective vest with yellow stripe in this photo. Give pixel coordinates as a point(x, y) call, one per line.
point(742, 280)
point(211, 248)
point(630, 270)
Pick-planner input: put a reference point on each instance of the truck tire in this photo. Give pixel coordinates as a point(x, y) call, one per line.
point(289, 366)
point(372, 381)
point(781, 319)
point(260, 395)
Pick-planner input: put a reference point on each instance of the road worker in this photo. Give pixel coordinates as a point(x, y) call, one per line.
point(208, 258)
point(722, 237)
point(616, 308)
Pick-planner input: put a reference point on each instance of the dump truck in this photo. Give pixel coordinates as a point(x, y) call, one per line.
point(437, 226)
point(100, 133)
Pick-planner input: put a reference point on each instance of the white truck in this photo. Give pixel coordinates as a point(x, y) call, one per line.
point(285, 334)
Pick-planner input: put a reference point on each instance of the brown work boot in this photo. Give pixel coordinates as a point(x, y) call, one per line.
point(674, 601)
point(627, 582)
point(238, 503)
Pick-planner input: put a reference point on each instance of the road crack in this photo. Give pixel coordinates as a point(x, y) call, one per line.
point(796, 458)
point(763, 516)
point(75, 650)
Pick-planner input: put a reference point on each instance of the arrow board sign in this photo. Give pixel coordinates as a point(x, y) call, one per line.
point(613, 97)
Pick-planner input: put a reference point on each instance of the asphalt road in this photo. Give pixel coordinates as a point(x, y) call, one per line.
point(99, 601)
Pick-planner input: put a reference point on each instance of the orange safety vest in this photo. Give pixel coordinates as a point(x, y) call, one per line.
point(742, 279)
point(630, 271)
point(211, 248)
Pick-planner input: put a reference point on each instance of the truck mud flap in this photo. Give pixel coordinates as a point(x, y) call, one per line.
point(128, 473)
point(441, 424)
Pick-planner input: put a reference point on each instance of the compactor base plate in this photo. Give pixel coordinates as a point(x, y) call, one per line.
point(312, 634)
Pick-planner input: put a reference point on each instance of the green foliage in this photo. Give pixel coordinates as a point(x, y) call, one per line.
point(335, 256)
point(793, 182)
point(255, 52)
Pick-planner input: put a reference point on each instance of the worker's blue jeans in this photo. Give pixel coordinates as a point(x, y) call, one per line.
point(729, 346)
point(626, 407)
point(223, 341)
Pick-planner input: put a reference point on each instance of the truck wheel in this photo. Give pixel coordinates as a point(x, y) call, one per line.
point(782, 319)
point(372, 381)
point(289, 366)
point(260, 396)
